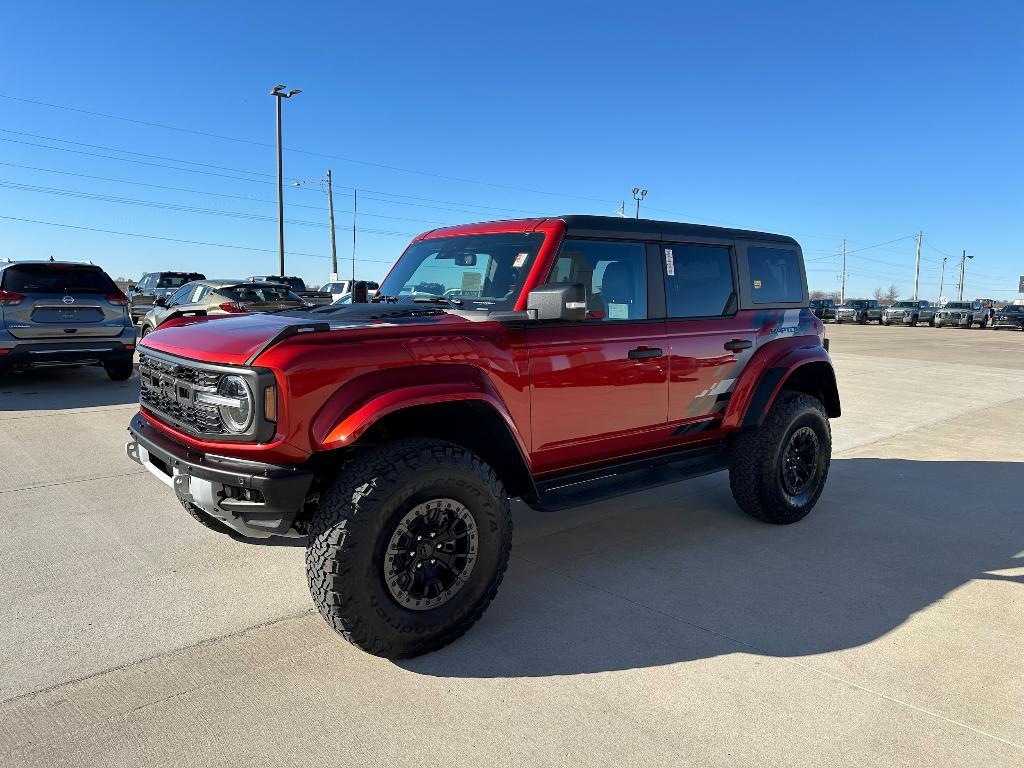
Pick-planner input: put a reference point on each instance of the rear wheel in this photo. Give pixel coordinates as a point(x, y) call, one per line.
point(408, 546)
point(778, 471)
point(145, 331)
point(119, 370)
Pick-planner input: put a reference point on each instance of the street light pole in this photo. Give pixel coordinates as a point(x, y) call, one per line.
point(942, 276)
point(278, 92)
point(638, 195)
point(330, 207)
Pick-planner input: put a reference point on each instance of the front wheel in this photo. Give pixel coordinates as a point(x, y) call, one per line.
point(778, 471)
point(408, 546)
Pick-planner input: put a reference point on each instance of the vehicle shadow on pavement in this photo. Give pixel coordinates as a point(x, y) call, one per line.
point(61, 388)
point(670, 576)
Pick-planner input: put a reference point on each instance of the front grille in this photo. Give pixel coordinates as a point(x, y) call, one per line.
point(168, 390)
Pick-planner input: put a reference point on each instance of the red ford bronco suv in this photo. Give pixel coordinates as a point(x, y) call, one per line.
point(556, 360)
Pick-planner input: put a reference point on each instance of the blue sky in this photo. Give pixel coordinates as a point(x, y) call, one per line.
point(867, 123)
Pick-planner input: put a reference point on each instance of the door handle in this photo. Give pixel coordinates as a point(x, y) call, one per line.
point(735, 345)
point(644, 353)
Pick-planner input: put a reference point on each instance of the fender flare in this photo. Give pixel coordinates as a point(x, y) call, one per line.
point(767, 374)
point(344, 418)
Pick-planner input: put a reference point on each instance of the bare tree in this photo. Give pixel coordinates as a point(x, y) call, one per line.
point(879, 294)
point(893, 294)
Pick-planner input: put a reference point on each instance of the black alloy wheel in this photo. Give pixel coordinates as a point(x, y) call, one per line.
point(799, 461)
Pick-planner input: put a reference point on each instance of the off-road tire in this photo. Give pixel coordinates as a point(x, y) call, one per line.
point(755, 460)
point(357, 515)
point(207, 520)
point(119, 370)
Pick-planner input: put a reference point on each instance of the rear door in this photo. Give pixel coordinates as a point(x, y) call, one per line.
point(599, 388)
point(66, 301)
point(709, 341)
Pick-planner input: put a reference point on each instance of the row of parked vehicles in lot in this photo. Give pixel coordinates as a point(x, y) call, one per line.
point(959, 314)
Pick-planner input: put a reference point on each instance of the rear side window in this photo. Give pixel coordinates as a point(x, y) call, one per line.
point(775, 275)
point(698, 280)
point(57, 278)
point(614, 275)
point(176, 281)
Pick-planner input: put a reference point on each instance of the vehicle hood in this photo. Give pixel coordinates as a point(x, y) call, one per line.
point(236, 339)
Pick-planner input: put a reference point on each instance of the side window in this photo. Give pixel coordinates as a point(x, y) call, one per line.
point(775, 275)
point(198, 294)
point(614, 275)
point(698, 280)
point(145, 283)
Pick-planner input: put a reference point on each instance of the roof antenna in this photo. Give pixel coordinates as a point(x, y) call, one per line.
point(51, 257)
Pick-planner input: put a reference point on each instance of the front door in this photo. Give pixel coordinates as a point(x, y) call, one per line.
point(599, 388)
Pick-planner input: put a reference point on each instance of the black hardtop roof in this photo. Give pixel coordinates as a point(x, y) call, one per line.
point(598, 226)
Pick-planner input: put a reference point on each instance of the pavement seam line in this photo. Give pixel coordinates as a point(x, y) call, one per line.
point(156, 656)
point(769, 653)
point(73, 481)
point(73, 412)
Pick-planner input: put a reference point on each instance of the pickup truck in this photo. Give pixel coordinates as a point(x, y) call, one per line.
point(583, 358)
point(962, 314)
point(909, 312)
point(860, 311)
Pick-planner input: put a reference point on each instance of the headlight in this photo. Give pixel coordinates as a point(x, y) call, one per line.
point(233, 401)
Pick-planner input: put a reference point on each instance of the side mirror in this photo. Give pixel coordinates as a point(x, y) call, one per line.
point(160, 301)
point(558, 301)
point(359, 293)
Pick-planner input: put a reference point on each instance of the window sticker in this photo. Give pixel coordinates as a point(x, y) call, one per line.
point(757, 283)
point(520, 260)
point(471, 282)
point(670, 263)
point(618, 311)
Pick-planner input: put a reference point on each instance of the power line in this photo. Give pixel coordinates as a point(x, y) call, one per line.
point(342, 158)
point(175, 239)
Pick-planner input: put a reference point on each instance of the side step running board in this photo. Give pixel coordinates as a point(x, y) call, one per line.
point(608, 482)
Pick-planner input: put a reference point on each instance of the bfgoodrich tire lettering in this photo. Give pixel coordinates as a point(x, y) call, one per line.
point(758, 460)
point(356, 520)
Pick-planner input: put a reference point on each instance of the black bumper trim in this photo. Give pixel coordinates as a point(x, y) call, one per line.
point(49, 353)
point(283, 489)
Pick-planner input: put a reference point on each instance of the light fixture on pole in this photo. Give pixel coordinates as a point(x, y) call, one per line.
point(638, 195)
point(279, 93)
point(327, 185)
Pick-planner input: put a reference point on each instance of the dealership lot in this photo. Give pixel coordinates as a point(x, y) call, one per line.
point(662, 628)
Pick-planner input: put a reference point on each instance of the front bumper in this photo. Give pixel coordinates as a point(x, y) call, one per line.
point(255, 499)
point(902, 317)
point(1017, 325)
point(26, 354)
point(962, 321)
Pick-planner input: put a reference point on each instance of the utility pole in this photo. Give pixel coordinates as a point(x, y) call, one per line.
point(638, 195)
point(917, 265)
point(330, 207)
point(963, 270)
point(278, 92)
point(942, 276)
point(842, 277)
point(355, 205)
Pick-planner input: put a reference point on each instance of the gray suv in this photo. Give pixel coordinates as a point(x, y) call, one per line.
point(57, 312)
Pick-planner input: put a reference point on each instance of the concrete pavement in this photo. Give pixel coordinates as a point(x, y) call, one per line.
point(665, 628)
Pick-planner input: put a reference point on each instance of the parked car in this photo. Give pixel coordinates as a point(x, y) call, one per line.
point(340, 288)
point(824, 309)
point(1010, 316)
point(859, 311)
point(909, 312)
point(391, 435)
point(61, 312)
point(154, 285)
point(220, 297)
point(962, 314)
point(297, 286)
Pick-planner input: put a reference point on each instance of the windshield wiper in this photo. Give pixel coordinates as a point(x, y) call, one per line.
point(436, 299)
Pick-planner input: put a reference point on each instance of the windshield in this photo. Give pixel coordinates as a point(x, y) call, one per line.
point(821, 302)
point(905, 304)
point(483, 271)
point(178, 279)
point(958, 305)
point(1012, 308)
point(859, 303)
point(56, 278)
